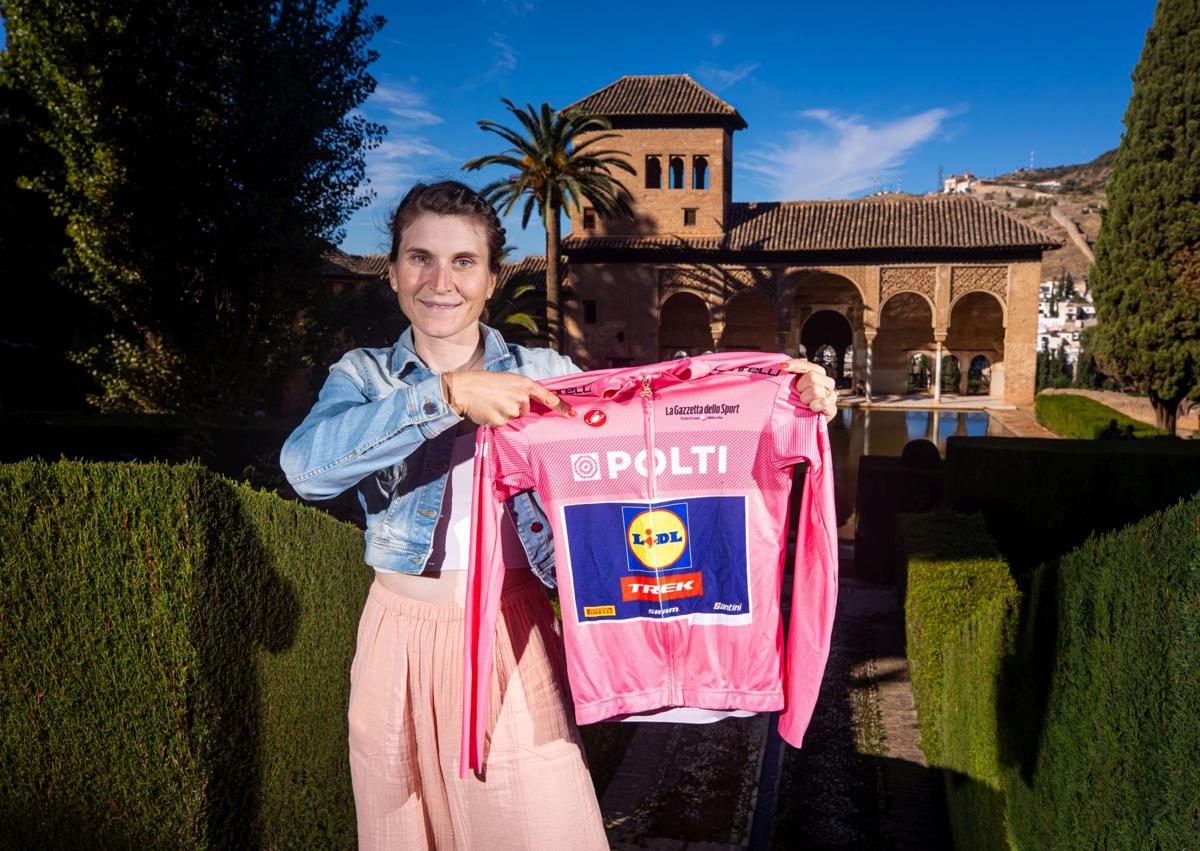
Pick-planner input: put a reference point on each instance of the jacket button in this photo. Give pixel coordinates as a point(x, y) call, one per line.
point(430, 408)
point(535, 527)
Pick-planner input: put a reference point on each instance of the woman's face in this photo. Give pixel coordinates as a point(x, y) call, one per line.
point(441, 276)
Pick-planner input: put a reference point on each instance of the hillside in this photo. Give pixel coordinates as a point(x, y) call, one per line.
point(1077, 203)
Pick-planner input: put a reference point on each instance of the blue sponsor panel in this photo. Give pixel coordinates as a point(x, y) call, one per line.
point(660, 560)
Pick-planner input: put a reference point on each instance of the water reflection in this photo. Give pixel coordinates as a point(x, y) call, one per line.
point(855, 432)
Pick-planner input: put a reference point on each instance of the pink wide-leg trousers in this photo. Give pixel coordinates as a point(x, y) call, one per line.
point(405, 709)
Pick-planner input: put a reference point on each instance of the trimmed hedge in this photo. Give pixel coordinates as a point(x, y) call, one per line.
point(1067, 718)
point(1043, 498)
point(1103, 742)
point(1075, 416)
point(954, 571)
point(174, 650)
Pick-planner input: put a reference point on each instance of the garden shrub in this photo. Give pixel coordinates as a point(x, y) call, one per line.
point(1102, 747)
point(174, 650)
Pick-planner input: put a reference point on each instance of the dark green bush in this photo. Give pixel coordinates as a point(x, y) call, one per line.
point(174, 651)
point(1043, 498)
point(954, 571)
point(1102, 739)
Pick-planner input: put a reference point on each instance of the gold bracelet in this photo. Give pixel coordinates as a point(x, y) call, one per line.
point(448, 394)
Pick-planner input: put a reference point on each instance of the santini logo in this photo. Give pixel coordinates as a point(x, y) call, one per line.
point(697, 460)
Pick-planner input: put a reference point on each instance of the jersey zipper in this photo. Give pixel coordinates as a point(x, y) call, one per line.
point(647, 394)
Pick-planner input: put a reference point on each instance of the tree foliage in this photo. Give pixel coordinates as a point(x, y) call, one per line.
point(206, 153)
point(1146, 279)
point(555, 166)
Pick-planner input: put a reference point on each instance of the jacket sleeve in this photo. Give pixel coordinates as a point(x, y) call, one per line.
point(485, 580)
point(801, 434)
point(347, 436)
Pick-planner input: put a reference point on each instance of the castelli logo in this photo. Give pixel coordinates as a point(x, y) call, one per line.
point(595, 418)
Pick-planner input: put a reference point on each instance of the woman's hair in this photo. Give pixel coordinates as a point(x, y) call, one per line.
point(448, 198)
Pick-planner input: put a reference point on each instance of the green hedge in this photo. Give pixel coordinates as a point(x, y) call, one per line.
point(1103, 745)
point(1043, 498)
point(174, 650)
point(954, 570)
point(1074, 416)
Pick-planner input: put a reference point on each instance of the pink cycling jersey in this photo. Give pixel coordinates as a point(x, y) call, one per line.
point(668, 499)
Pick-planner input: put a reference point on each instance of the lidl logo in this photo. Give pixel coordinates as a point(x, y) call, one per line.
point(668, 588)
point(657, 538)
point(599, 611)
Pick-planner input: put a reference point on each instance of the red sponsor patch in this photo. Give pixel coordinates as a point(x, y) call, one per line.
point(662, 588)
point(595, 418)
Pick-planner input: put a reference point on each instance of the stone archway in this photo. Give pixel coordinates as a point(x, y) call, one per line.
point(977, 329)
point(683, 326)
point(905, 329)
point(828, 328)
point(750, 324)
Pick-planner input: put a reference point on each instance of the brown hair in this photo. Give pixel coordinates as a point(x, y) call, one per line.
point(448, 198)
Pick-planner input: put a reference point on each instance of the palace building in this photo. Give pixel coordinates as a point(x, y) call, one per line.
point(865, 286)
point(878, 289)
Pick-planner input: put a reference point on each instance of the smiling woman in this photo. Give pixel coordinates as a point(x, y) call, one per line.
point(398, 424)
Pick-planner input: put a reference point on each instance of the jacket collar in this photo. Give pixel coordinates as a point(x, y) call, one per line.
point(496, 356)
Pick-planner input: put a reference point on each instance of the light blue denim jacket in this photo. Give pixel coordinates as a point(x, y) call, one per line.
point(380, 423)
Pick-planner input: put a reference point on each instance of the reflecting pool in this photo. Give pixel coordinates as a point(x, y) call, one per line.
point(855, 432)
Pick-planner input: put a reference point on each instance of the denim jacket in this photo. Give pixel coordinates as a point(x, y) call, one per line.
point(380, 424)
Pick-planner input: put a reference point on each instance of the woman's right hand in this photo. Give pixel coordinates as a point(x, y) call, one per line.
point(494, 398)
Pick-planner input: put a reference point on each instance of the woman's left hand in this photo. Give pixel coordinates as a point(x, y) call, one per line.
point(816, 389)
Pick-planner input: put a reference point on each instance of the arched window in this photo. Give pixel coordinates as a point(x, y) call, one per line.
point(676, 172)
point(699, 172)
point(653, 172)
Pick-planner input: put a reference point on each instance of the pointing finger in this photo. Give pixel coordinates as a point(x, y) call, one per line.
point(551, 400)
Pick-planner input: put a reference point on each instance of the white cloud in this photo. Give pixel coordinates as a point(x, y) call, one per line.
point(716, 39)
point(722, 78)
point(506, 57)
point(398, 162)
point(401, 104)
point(845, 155)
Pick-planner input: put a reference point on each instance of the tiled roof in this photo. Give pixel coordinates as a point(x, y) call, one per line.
point(867, 223)
point(661, 95)
point(338, 264)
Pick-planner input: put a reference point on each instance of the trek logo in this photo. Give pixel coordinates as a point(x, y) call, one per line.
point(680, 585)
point(695, 460)
point(657, 538)
point(595, 418)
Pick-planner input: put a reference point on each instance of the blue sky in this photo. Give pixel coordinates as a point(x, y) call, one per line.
point(839, 98)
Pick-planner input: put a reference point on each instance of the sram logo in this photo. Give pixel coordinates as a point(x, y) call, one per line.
point(692, 461)
point(681, 585)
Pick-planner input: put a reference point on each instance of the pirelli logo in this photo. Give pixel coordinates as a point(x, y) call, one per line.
point(599, 611)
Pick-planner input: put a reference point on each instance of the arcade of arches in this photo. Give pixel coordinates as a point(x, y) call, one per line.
point(878, 329)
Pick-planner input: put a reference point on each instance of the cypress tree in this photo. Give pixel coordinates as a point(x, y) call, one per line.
point(1146, 279)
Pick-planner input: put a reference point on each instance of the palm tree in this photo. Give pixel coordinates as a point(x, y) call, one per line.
point(553, 170)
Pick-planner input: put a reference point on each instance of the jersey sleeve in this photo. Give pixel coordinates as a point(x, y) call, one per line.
point(501, 470)
point(800, 434)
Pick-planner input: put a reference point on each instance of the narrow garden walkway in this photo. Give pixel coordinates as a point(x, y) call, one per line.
point(860, 780)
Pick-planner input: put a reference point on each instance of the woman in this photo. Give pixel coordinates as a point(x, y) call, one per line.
point(399, 424)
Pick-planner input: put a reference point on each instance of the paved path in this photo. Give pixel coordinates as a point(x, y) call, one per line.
point(859, 781)
point(1077, 236)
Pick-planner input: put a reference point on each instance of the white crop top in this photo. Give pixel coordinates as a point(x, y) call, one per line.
point(452, 535)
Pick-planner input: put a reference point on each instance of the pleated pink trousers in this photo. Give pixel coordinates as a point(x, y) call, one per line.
point(405, 713)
